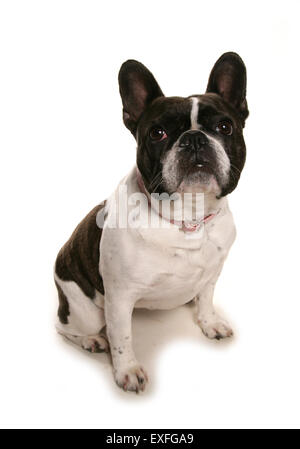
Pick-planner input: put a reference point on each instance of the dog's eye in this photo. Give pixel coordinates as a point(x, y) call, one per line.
point(157, 134)
point(224, 127)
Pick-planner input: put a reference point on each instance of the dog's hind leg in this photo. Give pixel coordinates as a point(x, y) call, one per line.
point(80, 320)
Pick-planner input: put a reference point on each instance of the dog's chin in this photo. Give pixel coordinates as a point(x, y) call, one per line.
point(200, 181)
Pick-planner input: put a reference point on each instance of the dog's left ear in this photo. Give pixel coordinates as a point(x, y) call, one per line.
point(138, 88)
point(228, 78)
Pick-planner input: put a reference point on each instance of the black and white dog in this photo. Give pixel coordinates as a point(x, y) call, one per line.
point(186, 147)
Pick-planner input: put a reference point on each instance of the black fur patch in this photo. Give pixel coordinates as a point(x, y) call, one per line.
point(78, 260)
point(173, 115)
point(63, 308)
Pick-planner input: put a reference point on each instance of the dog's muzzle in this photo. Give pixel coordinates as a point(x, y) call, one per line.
point(195, 145)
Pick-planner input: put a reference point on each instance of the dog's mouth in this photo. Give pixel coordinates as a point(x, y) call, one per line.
point(185, 172)
point(197, 171)
point(200, 168)
point(199, 176)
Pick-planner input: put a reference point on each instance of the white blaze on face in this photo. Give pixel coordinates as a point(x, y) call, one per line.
point(194, 113)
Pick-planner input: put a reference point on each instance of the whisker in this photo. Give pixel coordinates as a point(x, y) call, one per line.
point(155, 179)
point(158, 184)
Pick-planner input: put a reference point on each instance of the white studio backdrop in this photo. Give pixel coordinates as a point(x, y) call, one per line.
point(64, 149)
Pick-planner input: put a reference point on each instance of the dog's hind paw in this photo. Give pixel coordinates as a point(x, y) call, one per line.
point(95, 343)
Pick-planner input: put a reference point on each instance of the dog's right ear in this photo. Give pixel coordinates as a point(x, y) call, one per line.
point(138, 88)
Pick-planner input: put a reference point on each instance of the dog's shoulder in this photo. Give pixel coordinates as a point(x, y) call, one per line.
point(78, 259)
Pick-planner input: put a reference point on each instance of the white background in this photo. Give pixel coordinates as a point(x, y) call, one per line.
point(63, 150)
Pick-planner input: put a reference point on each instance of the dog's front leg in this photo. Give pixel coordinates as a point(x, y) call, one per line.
point(129, 374)
point(212, 325)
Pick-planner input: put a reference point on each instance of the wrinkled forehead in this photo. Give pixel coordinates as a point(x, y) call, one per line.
point(210, 105)
point(177, 110)
point(167, 108)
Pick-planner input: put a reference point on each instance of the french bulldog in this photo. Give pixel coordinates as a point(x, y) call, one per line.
point(116, 260)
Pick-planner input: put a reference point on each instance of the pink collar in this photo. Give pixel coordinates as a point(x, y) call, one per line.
point(183, 226)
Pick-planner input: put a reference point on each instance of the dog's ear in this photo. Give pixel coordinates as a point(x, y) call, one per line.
point(138, 88)
point(228, 79)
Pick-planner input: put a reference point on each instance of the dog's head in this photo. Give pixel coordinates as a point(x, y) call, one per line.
point(190, 144)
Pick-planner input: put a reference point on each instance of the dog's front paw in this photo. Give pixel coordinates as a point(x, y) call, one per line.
point(215, 327)
point(132, 378)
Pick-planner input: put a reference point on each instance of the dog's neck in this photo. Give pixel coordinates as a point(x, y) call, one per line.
point(189, 210)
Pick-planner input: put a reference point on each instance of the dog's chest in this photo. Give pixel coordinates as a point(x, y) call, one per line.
point(179, 269)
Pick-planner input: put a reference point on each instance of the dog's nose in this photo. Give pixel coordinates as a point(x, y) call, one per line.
point(193, 140)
